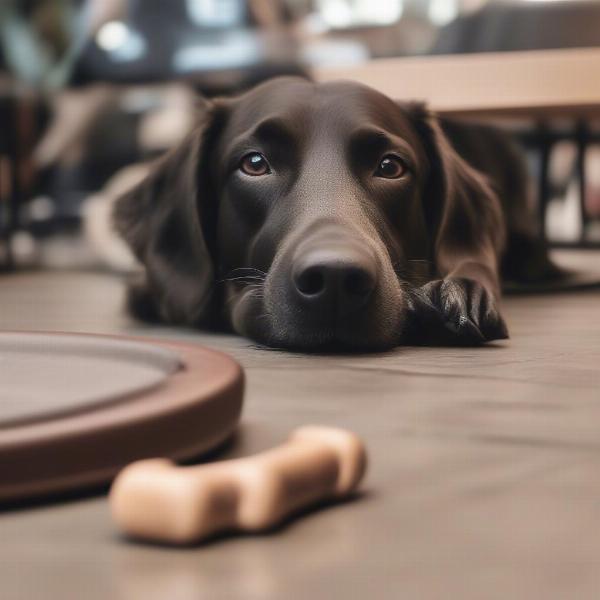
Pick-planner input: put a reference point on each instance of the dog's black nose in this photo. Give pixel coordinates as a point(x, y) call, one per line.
point(334, 281)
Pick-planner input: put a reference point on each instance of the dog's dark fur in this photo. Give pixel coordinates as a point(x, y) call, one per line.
point(322, 251)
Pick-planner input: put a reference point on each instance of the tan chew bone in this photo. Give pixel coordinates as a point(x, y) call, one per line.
point(157, 500)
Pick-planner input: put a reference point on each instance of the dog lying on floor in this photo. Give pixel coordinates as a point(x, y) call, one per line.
point(317, 216)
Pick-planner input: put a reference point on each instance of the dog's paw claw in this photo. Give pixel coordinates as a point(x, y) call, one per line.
point(458, 312)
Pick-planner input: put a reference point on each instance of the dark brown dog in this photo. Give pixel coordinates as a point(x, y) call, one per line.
point(328, 216)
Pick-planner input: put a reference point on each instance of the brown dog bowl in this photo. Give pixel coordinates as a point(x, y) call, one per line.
point(75, 409)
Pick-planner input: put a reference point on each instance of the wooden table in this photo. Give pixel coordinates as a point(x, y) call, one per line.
point(536, 84)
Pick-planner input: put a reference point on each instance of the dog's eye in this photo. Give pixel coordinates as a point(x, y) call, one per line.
point(254, 164)
point(391, 167)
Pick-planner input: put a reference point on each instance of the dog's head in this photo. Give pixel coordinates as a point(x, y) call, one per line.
point(303, 213)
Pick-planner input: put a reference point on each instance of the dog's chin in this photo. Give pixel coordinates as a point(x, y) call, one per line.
point(288, 328)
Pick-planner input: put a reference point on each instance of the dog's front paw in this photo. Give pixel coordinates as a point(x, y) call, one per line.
point(457, 311)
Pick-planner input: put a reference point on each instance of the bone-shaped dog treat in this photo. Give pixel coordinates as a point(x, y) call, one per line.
point(157, 500)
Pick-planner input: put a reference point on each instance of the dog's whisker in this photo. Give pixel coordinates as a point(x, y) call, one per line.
point(244, 278)
point(241, 279)
point(248, 270)
point(243, 275)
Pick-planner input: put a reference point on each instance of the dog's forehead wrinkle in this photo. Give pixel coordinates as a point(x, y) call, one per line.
point(282, 98)
point(288, 126)
point(362, 104)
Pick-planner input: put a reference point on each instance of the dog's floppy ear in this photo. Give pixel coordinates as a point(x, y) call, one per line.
point(167, 220)
point(462, 212)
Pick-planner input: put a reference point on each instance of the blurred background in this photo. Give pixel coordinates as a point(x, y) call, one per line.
point(90, 90)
